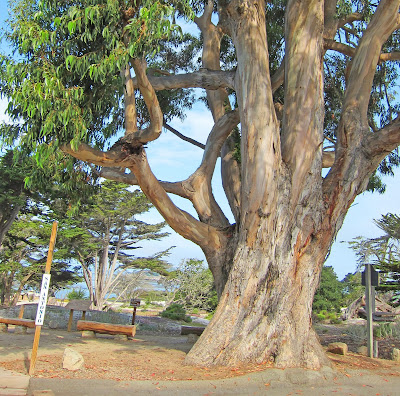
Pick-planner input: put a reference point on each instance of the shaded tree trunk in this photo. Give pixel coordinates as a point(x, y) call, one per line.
point(6, 223)
point(22, 284)
point(7, 282)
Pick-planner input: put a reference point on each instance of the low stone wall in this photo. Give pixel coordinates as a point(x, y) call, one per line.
point(57, 317)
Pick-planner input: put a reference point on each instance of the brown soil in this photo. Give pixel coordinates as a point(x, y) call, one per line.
point(147, 356)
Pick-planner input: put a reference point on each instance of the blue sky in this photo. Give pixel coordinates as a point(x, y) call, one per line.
point(172, 159)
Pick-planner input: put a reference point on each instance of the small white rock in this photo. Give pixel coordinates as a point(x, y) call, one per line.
point(72, 360)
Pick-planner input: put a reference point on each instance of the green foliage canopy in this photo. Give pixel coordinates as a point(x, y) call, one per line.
point(329, 294)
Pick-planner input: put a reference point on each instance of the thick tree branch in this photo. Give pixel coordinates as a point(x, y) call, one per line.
point(219, 133)
point(119, 175)
point(358, 151)
point(198, 185)
point(304, 106)
point(365, 60)
point(378, 145)
point(130, 105)
point(351, 51)
point(153, 131)
point(340, 47)
point(391, 56)
point(219, 104)
point(179, 220)
point(204, 78)
point(330, 20)
point(112, 158)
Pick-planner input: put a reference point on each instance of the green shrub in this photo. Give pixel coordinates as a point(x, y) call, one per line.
point(387, 330)
point(77, 294)
point(325, 316)
point(176, 312)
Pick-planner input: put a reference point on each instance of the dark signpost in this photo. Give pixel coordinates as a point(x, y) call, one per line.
point(135, 302)
point(370, 279)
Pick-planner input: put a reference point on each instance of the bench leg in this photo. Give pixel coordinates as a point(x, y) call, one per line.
point(71, 316)
point(3, 328)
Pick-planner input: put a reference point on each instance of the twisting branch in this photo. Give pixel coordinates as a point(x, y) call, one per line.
point(115, 157)
point(130, 105)
point(351, 51)
point(378, 145)
point(340, 47)
point(216, 139)
point(219, 104)
point(119, 175)
point(365, 60)
point(153, 131)
point(198, 185)
point(186, 225)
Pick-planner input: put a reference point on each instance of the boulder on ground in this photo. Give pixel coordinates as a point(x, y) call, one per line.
point(339, 348)
point(72, 360)
point(53, 324)
point(396, 354)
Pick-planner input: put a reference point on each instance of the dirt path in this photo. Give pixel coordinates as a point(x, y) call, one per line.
point(157, 360)
point(145, 357)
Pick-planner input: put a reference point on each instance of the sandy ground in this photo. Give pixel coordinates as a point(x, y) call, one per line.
point(145, 357)
point(154, 357)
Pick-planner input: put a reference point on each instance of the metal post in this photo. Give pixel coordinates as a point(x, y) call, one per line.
point(369, 303)
point(134, 315)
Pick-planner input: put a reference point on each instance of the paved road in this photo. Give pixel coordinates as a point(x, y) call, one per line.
point(272, 382)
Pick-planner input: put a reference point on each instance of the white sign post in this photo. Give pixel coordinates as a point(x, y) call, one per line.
point(43, 299)
point(41, 309)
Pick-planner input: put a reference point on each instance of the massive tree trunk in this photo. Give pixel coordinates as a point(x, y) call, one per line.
point(265, 312)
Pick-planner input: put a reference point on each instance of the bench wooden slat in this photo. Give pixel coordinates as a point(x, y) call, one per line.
point(18, 322)
point(106, 328)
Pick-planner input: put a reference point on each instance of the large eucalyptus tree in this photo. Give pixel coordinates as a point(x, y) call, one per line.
point(301, 85)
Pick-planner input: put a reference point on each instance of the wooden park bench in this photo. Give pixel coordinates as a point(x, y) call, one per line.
point(20, 321)
point(106, 328)
point(25, 323)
